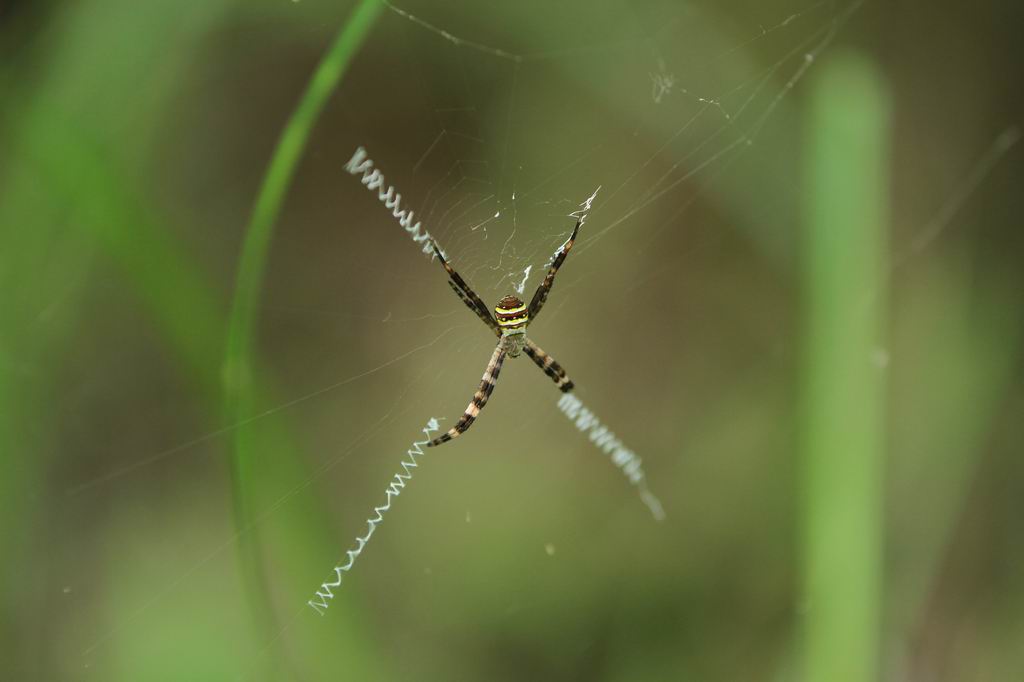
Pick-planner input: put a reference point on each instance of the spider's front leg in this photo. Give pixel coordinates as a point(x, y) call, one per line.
point(541, 295)
point(549, 365)
point(464, 292)
point(489, 321)
point(479, 398)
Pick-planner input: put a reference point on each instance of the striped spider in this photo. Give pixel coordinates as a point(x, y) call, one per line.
point(509, 321)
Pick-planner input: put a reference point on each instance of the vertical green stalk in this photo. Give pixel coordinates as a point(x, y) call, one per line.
point(843, 382)
point(238, 358)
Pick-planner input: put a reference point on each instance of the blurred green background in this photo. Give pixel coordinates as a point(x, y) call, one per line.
point(799, 298)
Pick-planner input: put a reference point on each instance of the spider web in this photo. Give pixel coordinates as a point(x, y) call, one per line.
point(494, 133)
point(519, 138)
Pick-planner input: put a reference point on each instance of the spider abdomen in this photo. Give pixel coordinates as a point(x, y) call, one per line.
point(511, 313)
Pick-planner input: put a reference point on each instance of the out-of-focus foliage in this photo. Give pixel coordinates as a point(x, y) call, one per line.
point(134, 138)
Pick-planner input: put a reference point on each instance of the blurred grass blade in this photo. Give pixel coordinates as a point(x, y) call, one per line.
point(238, 360)
point(272, 191)
point(842, 384)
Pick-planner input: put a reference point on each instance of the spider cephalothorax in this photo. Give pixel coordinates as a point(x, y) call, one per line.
point(509, 321)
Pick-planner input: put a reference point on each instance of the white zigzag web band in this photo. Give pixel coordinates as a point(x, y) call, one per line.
point(374, 180)
point(624, 458)
point(325, 592)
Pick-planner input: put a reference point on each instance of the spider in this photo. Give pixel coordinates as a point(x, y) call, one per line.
point(509, 321)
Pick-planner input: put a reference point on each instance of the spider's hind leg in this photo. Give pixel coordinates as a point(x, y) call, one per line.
point(550, 366)
point(479, 398)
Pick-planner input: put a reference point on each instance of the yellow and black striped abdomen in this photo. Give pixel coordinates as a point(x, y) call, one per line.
point(511, 313)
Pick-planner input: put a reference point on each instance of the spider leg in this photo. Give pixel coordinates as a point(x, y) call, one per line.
point(479, 399)
point(487, 320)
point(541, 295)
point(468, 296)
point(549, 365)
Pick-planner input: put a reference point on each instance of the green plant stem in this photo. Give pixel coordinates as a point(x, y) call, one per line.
point(238, 360)
point(843, 380)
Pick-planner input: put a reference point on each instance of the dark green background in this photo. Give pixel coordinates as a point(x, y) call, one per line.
point(133, 142)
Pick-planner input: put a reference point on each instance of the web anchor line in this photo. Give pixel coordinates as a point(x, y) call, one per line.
point(624, 458)
point(398, 483)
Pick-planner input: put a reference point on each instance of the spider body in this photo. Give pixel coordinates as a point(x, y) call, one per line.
point(508, 322)
point(512, 316)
